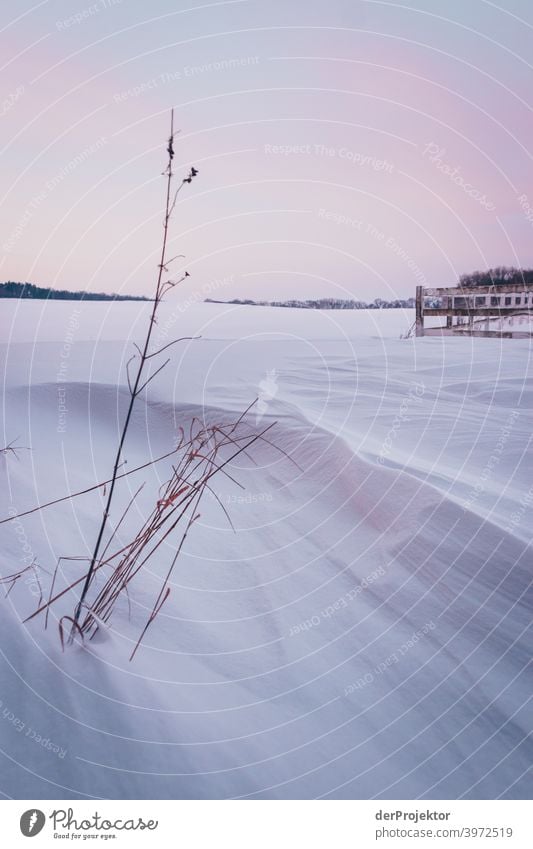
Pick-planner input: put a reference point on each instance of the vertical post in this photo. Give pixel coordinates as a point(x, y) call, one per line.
point(419, 311)
point(449, 317)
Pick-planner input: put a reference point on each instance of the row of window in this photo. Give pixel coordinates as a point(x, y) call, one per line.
point(495, 301)
point(472, 301)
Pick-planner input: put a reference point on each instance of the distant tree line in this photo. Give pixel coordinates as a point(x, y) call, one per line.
point(498, 276)
point(325, 304)
point(29, 290)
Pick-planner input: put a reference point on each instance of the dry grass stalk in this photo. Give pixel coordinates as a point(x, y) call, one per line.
point(206, 452)
point(139, 381)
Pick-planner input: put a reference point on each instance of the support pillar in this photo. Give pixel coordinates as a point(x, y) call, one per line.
point(419, 311)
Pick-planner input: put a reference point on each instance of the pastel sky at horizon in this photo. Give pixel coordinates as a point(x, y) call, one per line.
point(347, 149)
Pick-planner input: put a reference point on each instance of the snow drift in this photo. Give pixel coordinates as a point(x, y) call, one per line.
point(365, 632)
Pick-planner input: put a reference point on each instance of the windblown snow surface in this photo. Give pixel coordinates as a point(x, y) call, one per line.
point(365, 632)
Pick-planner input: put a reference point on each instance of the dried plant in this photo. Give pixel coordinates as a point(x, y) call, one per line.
point(10, 581)
point(205, 451)
point(13, 449)
point(208, 450)
point(140, 381)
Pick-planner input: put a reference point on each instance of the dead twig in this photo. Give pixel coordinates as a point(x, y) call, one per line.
point(139, 383)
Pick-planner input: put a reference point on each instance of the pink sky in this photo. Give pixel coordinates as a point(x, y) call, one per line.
point(345, 148)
